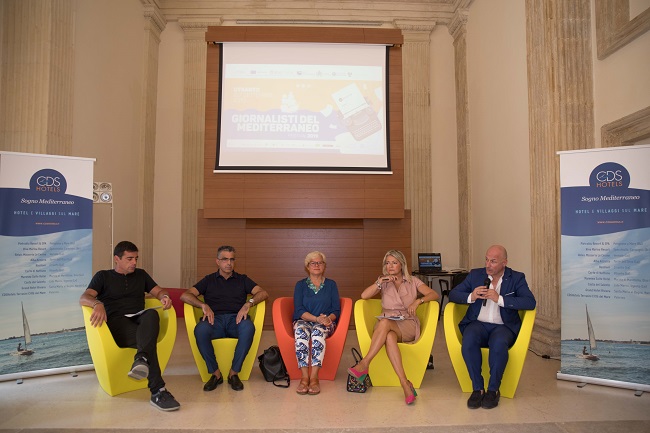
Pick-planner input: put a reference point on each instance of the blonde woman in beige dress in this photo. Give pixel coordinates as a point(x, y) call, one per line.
point(399, 297)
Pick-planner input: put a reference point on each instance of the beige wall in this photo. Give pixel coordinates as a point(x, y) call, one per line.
point(107, 99)
point(444, 218)
point(169, 146)
point(498, 121)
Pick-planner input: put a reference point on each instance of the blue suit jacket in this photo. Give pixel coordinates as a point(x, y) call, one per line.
point(514, 289)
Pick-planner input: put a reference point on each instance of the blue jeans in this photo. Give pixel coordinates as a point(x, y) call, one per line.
point(498, 339)
point(224, 327)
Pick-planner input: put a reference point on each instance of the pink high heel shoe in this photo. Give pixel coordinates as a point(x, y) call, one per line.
point(360, 375)
point(411, 398)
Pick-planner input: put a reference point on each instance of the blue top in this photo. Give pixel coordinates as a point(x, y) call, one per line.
point(326, 301)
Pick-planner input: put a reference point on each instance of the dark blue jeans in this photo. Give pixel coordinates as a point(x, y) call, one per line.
point(498, 339)
point(224, 327)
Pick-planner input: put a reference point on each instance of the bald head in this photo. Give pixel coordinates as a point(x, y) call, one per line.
point(498, 249)
point(496, 259)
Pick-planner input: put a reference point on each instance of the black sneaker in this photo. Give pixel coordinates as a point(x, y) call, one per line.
point(491, 400)
point(164, 400)
point(139, 369)
point(235, 383)
point(474, 400)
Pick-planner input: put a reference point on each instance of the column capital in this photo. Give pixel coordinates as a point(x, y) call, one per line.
point(458, 23)
point(155, 20)
point(199, 24)
point(416, 26)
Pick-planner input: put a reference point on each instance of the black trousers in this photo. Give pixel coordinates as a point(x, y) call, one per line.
point(140, 333)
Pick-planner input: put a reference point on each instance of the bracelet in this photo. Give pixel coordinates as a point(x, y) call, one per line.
point(97, 302)
point(166, 296)
point(378, 285)
point(421, 301)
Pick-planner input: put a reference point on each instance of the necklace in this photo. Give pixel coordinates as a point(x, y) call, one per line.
point(313, 287)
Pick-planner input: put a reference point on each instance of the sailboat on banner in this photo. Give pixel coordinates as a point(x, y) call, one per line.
point(592, 341)
point(26, 335)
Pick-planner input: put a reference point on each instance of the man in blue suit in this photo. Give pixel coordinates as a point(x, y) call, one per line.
point(495, 295)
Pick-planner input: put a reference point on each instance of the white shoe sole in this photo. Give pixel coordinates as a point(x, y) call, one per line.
point(167, 409)
point(139, 372)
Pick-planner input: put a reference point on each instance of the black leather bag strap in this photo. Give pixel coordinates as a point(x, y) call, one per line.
point(356, 355)
point(285, 377)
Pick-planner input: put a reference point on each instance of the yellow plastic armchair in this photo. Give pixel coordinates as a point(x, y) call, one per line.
point(414, 355)
point(454, 313)
point(224, 348)
point(112, 363)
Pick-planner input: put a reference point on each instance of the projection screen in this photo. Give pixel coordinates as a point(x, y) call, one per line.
point(303, 107)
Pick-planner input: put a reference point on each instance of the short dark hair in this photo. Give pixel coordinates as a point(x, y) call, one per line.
point(225, 248)
point(123, 247)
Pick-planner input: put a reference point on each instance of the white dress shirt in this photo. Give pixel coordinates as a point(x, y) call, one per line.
point(490, 311)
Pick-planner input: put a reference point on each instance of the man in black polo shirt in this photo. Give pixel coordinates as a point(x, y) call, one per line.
point(119, 291)
point(225, 315)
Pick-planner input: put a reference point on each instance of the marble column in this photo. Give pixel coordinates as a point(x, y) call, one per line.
point(560, 101)
point(457, 29)
point(154, 24)
point(193, 140)
point(418, 193)
point(36, 76)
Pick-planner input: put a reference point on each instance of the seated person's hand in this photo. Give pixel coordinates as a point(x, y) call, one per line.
point(98, 316)
point(208, 314)
point(166, 302)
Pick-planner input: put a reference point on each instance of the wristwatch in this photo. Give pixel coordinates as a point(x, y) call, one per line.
point(251, 301)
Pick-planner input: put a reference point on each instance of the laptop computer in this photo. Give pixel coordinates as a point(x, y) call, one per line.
point(429, 263)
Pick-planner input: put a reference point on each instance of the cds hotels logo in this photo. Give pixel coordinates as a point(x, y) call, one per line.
point(48, 180)
point(609, 175)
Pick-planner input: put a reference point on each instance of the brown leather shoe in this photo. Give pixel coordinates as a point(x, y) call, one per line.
point(314, 386)
point(303, 386)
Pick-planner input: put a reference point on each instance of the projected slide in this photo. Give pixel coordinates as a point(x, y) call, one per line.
point(302, 107)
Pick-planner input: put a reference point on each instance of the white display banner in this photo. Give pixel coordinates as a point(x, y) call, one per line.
point(606, 266)
point(46, 260)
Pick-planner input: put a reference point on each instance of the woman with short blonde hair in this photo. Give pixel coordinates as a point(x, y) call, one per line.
point(317, 307)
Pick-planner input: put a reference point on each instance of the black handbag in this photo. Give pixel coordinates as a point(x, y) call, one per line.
point(273, 367)
point(354, 384)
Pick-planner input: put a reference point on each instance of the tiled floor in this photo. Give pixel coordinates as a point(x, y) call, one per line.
point(542, 403)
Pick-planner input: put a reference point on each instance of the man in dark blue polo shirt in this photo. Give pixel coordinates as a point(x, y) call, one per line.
point(225, 315)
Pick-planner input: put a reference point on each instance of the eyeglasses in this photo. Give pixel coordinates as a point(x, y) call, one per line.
point(316, 263)
point(227, 259)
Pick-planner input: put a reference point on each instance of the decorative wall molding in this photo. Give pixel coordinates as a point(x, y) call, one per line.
point(627, 130)
point(304, 11)
point(614, 28)
point(417, 28)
